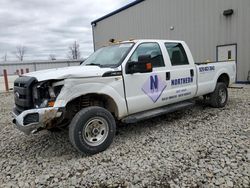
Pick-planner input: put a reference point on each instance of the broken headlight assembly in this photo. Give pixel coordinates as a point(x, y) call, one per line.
point(45, 93)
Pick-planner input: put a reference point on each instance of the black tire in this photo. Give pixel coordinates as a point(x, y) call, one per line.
point(84, 140)
point(217, 100)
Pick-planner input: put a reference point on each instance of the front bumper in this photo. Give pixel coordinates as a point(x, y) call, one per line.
point(31, 120)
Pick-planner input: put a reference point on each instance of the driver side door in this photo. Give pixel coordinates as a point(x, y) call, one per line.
point(144, 90)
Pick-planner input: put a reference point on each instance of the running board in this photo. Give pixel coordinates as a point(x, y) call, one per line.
point(157, 112)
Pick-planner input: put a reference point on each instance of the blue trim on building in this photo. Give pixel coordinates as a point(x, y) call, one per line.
point(117, 11)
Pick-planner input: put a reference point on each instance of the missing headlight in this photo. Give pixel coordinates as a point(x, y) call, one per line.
point(45, 93)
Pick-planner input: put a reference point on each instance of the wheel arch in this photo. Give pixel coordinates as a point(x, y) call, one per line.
point(94, 99)
point(224, 78)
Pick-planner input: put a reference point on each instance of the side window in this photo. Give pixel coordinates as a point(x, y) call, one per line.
point(152, 49)
point(177, 54)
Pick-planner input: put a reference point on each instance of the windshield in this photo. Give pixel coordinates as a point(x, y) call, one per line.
point(110, 56)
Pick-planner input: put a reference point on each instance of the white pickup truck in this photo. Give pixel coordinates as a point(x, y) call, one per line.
point(127, 81)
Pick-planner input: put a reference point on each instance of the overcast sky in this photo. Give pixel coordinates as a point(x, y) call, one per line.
point(49, 26)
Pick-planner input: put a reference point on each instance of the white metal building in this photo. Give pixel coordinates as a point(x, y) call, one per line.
point(17, 67)
point(215, 30)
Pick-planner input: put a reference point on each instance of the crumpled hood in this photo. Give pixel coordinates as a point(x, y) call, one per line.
point(68, 72)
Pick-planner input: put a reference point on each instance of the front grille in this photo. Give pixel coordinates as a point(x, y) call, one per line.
point(19, 109)
point(23, 93)
point(20, 85)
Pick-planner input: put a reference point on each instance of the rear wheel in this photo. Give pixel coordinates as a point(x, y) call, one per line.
point(92, 130)
point(219, 97)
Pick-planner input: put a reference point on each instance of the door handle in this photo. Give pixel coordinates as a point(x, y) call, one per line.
point(191, 72)
point(167, 75)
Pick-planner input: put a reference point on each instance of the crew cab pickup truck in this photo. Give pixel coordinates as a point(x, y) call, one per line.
point(123, 82)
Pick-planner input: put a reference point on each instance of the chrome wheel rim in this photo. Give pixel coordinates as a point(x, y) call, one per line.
point(95, 131)
point(222, 95)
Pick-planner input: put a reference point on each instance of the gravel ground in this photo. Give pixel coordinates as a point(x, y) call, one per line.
point(198, 147)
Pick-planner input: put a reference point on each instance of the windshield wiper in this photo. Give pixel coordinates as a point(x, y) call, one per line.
point(99, 65)
point(94, 64)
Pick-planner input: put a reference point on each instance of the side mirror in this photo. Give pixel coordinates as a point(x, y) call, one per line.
point(142, 66)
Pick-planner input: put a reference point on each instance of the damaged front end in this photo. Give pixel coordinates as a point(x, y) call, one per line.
point(31, 121)
point(34, 104)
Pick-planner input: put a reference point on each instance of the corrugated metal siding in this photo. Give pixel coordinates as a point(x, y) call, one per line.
point(198, 22)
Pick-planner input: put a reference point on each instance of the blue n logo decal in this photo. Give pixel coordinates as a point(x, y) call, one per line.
point(154, 83)
point(154, 87)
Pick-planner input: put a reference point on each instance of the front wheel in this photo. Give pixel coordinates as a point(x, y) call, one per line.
point(92, 130)
point(219, 97)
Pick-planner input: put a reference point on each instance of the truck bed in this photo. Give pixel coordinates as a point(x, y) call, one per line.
point(208, 74)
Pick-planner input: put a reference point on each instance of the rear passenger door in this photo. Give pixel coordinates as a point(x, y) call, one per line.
point(182, 73)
